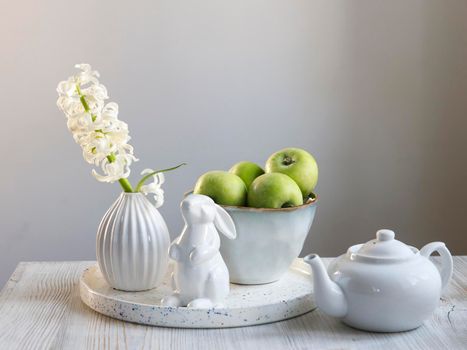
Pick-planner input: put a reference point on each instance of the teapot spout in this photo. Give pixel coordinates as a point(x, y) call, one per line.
point(328, 295)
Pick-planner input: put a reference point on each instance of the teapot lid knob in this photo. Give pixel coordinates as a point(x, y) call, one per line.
point(385, 235)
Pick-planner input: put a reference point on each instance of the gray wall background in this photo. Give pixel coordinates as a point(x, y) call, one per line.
point(376, 90)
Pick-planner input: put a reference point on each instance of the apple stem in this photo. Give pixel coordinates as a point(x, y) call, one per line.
point(287, 160)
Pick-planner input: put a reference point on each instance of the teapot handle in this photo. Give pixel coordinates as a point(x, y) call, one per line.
point(446, 260)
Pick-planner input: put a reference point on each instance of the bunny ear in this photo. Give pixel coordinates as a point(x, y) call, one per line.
point(224, 223)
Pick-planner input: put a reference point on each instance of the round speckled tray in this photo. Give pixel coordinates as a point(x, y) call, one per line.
point(245, 306)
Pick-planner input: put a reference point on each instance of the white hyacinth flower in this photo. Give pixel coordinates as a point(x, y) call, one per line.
point(155, 187)
point(95, 125)
point(103, 138)
point(117, 169)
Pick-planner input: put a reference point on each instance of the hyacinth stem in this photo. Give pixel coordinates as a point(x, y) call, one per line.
point(147, 176)
point(111, 157)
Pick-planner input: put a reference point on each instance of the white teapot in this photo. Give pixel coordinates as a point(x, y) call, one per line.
point(382, 285)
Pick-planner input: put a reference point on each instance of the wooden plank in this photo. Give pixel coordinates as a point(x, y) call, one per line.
point(40, 308)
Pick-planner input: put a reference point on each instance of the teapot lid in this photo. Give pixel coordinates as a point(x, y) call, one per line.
point(385, 246)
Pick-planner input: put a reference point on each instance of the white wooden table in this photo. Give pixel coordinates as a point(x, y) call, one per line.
point(40, 308)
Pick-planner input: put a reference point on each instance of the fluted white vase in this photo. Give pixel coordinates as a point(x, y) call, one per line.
point(132, 244)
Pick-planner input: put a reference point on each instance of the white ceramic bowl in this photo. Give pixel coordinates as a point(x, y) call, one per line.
point(268, 240)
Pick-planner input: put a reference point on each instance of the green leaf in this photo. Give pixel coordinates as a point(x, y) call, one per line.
point(147, 176)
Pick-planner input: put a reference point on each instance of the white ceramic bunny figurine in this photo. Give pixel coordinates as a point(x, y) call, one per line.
point(200, 278)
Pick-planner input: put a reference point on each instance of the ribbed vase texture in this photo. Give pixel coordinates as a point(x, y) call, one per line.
point(132, 244)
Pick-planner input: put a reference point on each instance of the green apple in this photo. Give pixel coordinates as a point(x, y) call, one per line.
point(247, 171)
point(223, 187)
point(274, 190)
point(298, 164)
